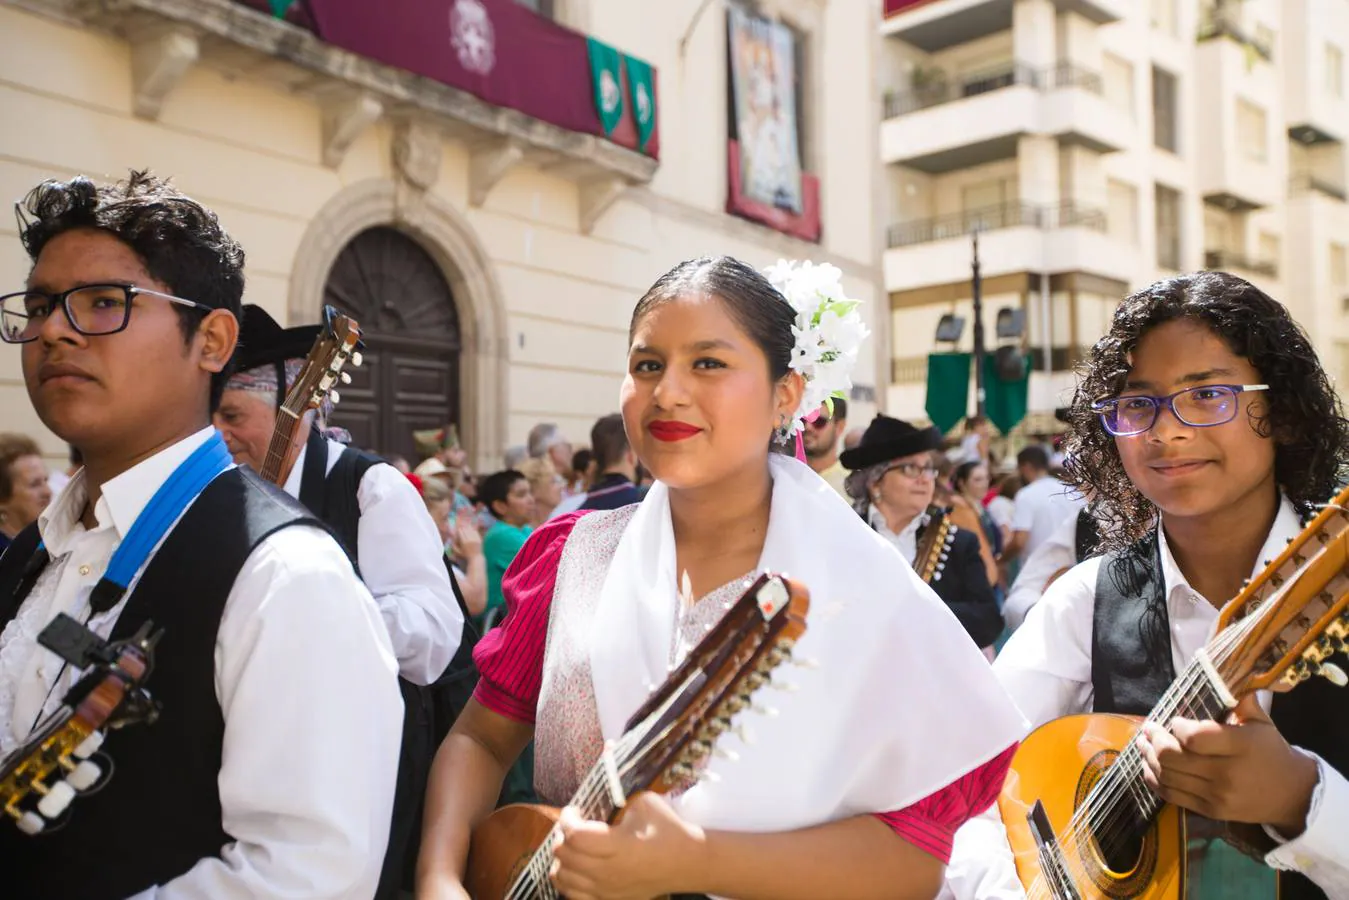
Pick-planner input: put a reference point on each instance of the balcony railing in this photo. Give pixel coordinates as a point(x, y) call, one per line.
point(1301, 183)
point(1214, 23)
point(1017, 213)
point(937, 90)
point(1232, 259)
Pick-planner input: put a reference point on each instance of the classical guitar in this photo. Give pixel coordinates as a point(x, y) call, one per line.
point(664, 744)
point(338, 344)
point(1081, 821)
point(63, 758)
point(929, 560)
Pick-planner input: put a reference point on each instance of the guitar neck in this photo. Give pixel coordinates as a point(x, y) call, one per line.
point(1192, 696)
point(595, 804)
point(283, 443)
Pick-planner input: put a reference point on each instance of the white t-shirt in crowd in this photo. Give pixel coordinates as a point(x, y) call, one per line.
point(1041, 507)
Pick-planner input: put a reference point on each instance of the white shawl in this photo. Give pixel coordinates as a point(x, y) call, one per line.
point(902, 704)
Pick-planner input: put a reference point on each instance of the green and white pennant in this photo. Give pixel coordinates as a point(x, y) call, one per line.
point(606, 82)
point(642, 88)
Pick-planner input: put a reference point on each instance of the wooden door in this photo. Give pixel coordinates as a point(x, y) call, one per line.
point(410, 378)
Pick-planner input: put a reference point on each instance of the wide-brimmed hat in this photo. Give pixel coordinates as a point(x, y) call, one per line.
point(886, 439)
point(262, 340)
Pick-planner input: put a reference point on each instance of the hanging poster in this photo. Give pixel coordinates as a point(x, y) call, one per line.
point(763, 86)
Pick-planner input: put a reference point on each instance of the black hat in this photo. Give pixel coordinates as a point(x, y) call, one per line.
point(886, 439)
point(264, 342)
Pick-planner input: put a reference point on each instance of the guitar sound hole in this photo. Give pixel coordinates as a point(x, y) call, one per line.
point(1121, 847)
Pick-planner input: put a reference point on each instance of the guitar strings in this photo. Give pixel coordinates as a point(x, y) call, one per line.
point(1104, 814)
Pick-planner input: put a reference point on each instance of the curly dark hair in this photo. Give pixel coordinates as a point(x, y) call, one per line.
point(1304, 414)
point(181, 243)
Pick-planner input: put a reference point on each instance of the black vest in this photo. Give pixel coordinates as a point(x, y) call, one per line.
point(1131, 669)
point(160, 812)
point(428, 712)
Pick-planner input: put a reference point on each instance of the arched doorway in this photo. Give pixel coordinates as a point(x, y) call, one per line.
point(410, 378)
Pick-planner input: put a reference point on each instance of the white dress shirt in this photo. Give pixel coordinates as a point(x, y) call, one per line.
point(1040, 507)
point(400, 556)
point(1059, 551)
point(305, 680)
point(1046, 667)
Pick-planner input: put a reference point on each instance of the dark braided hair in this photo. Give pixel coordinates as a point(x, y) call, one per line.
point(1304, 415)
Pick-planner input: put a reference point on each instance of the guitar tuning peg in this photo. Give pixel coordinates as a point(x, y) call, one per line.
point(786, 687)
point(746, 736)
point(1332, 673)
point(335, 397)
point(84, 776)
point(728, 755)
point(345, 378)
point(768, 712)
point(357, 359)
point(89, 746)
point(806, 663)
point(30, 823)
point(56, 800)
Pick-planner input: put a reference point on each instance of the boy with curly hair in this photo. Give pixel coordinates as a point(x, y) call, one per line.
point(1208, 432)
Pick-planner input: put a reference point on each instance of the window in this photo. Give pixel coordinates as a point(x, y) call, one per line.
point(1334, 71)
point(1339, 266)
point(1252, 131)
point(1118, 75)
point(1167, 203)
point(1122, 212)
point(1164, 120)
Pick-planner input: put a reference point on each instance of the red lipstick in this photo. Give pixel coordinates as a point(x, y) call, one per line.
point(672, 431)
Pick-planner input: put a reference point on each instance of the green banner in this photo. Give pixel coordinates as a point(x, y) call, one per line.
point(948, 388)
point(281, 7)
point(641, 89)
point(1005, 400)
point(606, 81)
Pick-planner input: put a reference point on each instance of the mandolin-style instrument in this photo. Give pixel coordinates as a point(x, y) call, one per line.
point(62, 759)
point(338, 343)
point(1081, 821)
point(929, 558)
point(664, 745)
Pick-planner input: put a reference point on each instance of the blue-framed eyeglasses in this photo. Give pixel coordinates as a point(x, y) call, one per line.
point(1199, 407)
point(93, 310)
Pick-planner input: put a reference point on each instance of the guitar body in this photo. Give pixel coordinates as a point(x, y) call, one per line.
point(502, 847)
point(1181, 857)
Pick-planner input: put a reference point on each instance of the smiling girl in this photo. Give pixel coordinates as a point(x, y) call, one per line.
point(855, 788)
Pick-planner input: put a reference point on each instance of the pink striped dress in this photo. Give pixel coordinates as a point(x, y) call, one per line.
point(535, 669)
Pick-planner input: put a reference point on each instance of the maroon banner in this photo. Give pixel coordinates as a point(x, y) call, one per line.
point(895, 7)
point(805, 225)
point(497, 50)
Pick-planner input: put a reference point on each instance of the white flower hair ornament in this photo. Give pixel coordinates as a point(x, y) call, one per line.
point(829, 333)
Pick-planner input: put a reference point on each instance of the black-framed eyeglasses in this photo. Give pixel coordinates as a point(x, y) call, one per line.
point(912, 470)
point(92, 309)
point(1199, 407)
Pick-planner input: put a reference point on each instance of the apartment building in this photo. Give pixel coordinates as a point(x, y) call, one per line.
point(1098, 145)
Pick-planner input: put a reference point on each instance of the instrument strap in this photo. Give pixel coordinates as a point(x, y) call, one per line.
point(158, 516)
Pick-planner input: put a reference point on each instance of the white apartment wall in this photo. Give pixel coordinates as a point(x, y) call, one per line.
point(975, 56)
point(1035, 32)
point(948, 190)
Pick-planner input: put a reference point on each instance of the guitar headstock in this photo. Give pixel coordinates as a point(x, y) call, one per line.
point(685, 717)
point(1286, 623)
point(63, 758)
point(338, 344)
